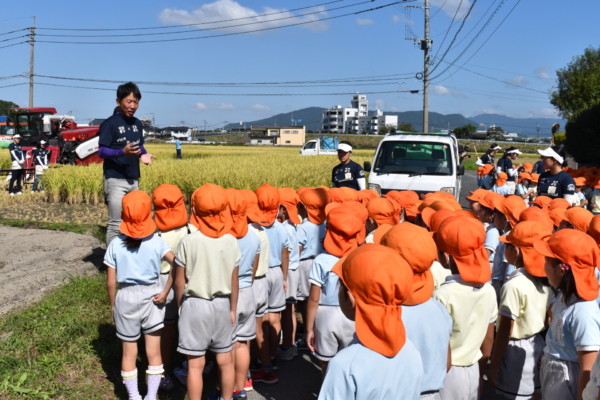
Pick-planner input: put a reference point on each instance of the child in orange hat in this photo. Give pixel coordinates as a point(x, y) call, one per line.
point(573, 340)
point(417, 247)
point(524, 302)
point(471, 302)
point(579, 199)
point(500, 186)
point(524, 188)
point(134, 261)
point(171, 218)
point(381, 212)
point(474, 198)
point(576, 218)
point(485, 177)
point(487, 217)
point(207, 288)
point(381, 362)
point(328, 331)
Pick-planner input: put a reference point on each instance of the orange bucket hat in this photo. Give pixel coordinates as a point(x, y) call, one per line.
point(437, 218)
point(289, 199)
point(491, 200)
point(408, 201)
point(252, 211)
point(366, 195)
point(557, 216)
point(237, 206)
point(528, 167)
point(381, 281)
point(477, 195)
point(302, 189)
point(580, 253)
point(579, 217)
point(535, 178)
point(523, 236)
point(417, 247)
point(560, 204)
point(594, 229)
point(483, 171)
point(315, 201)
point(538, 215)
point(580, 181)
point(268, 202)
point(543, 202)
point(524, 175)
point(463, 238)
point(169, 207)
point(136, 216)
point(436, 206)
point(466, 214)
point(382, 211)
point(512, 206)
point(380, 232)
point(345, 228)
point(211, 210)
point(501, 179)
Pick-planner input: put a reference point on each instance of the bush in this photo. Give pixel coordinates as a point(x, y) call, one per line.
point(583, 138)
point(560, 138)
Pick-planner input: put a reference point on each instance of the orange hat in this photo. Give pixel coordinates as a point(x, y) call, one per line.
point(169, 207)
point(408, 201)
point(417, 247)
point(237, 206)
point(543, 202)
point(437, 218)
point(580, 253)
point(559, 204)
point(211, 211)
point(436, 206)
point(535, 178)
point(429, 201)
point(253, 213)
point(463, 238)
point(381, 281)
point(522, 236)
point(466, 214)
point(302, 189)
point(380, 232)
point(501, 179)
point(538, 215)
point(594, 229)
point(579, 217)
point(382, 211)
point(477, 194)
point(524, 175)
point(345, 228)
point(289, 199)
point(580, 181)
point(511, 207)
point(367, 194)
point(343, 195)
point(315, 200)
point(136, 216)
point(528, 167)
point(268, 202)
point(483, 171)
point(492, 200)
point(557, 216)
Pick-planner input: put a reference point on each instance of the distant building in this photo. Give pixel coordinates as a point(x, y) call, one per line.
point(277, 135)
point(356, 119)
point(183, 133)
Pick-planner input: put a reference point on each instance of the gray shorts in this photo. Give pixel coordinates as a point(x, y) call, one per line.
point(245, 323)
point(518, 374)
point(303, 283)
point(461, 383)
point(431, 396)
point(260, 290)
point(276, 295)
point(559, 379)
point(136, 313)
point(291, 296)
point(205, 325)
point(171, 309)
point(333, 332)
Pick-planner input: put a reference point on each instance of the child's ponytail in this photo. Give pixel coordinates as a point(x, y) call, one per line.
point(132, 244)
point(567, 286)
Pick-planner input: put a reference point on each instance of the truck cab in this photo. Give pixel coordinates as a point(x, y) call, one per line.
point(422, 162)
point(325, 146)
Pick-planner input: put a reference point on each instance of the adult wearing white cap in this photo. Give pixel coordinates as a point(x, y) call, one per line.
point(555, 182)
point(41, 156)
point(488, 157)
point(347, 173)
point(505, 164)
point(18, 160)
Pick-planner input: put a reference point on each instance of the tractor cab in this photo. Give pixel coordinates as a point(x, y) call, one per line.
point(29, 123)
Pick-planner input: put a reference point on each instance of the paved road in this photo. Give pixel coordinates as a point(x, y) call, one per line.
point(469, 183)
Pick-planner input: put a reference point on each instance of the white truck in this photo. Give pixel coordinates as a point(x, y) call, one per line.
point(422, 162)
point(321, 146)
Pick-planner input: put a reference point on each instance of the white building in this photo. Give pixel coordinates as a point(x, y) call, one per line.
point(356, 118)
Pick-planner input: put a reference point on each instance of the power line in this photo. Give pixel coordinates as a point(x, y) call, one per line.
point(14, 44)
point(489, 91)
point(475, 26)
point(439, 9)
point(448, 30)
point(15, 84)
point(13, 38)
point(8, 33)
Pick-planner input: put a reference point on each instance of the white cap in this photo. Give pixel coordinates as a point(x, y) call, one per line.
point(344, 147)
point(515, 151)
point(552, 154)
point(43, 142)
point(17, 136)
point(497, 148)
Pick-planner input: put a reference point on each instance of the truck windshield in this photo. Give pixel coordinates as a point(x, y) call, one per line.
point(420, 158)
point(310, 145)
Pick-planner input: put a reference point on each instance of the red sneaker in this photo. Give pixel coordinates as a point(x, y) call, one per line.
point(265, 377)
point(248, 385)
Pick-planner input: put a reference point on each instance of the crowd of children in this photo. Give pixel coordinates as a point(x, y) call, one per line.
point(401, 296)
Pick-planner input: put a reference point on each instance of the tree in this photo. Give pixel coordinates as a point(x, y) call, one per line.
point(5, 105)
point(465, 132)
point(406, 127)
point(583, 141)
point(578, 84)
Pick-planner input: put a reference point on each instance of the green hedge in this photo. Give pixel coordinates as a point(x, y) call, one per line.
point(583, 138)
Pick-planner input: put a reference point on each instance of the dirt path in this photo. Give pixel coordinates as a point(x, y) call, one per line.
point(35, 260)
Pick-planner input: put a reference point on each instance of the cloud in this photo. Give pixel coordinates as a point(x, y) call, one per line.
point(440, 90)
point(394, 109)
point(364, 22)
point(542, 72)
point(396, 19)
point(450, 6)
point(517, 80)
point(380, 104)
point(214, 106)
point(222, 10)
point(259, 107)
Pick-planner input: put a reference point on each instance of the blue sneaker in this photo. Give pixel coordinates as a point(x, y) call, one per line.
point(215, 396)
point(241, 395)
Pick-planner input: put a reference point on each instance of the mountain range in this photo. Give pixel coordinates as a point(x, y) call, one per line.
point(311, 118)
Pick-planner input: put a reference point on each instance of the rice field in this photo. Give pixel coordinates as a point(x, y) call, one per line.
point(239, 167)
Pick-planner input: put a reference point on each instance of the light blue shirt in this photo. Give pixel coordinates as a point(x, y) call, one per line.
point(491, 242)
point(310, 237)
point(321, 276)
point(278, 240)
point(521, 190)
point(360, 373)
point(500, 262)
point(503, 190)
point(574, 328)
point(138, 266)
point(581, 197)
point(294, 246)
point(431, 340)
point(249, 247)
point(177, 145)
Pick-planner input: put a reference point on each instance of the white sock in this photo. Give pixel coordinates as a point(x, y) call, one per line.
point(130, 379)
point(154, 375)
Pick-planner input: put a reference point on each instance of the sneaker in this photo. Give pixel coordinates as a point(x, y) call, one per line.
point(166, 384)
point(301, 345)
point(11, 194)
point(215, 396)
point(265, 377)
point(248, 384)
point(285, 354)
point(295, 350)
point(41, 191)
point(33, 191)
point(181, 375)
point(19, 193)
point(241, 395)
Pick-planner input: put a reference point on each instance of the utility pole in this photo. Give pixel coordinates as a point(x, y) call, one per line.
point(426, 46)
point(205, 130)
point(538, 131)
point(31, 61)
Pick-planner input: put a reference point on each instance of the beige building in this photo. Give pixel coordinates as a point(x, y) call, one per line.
point(277, 135)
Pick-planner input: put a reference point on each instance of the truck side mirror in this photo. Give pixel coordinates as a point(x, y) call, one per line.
point(461, 170)
point(367, 166)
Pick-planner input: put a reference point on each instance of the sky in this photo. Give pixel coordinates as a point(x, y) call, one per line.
point(508, 73)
